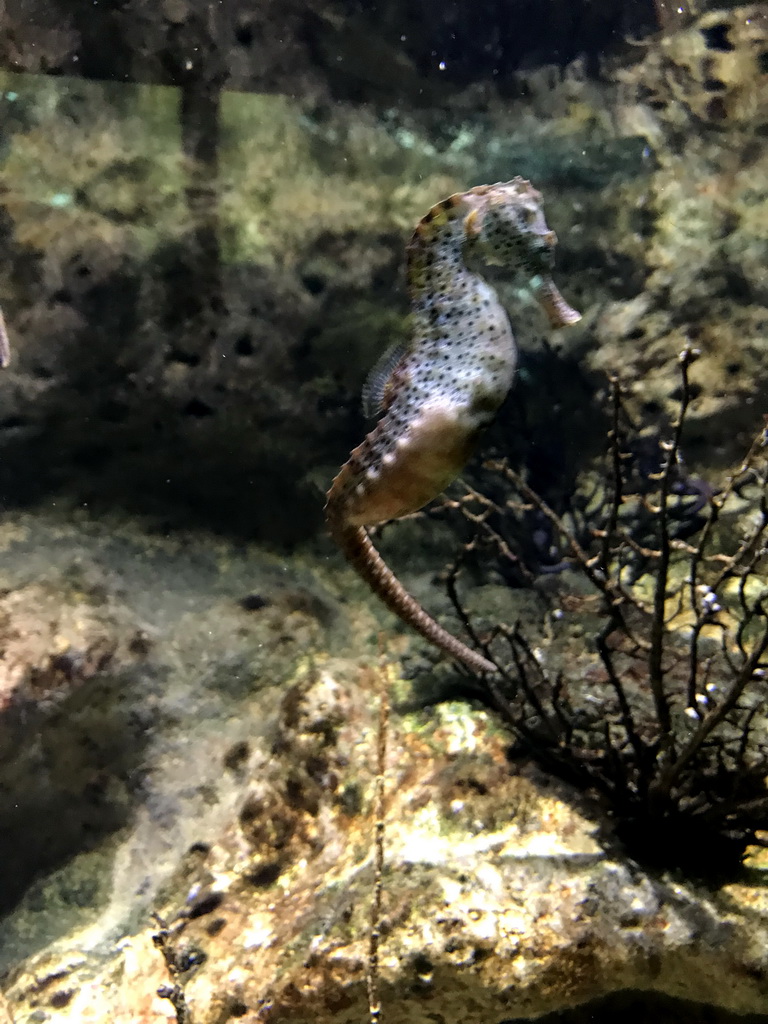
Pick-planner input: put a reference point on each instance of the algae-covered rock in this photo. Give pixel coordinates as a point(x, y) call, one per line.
point(132, 668)
point(498, 901)
point(698, 95)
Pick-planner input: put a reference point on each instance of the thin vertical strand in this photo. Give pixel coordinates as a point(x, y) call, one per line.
point(374, 994)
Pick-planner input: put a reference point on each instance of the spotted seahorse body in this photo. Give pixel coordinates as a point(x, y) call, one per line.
point(449, 381)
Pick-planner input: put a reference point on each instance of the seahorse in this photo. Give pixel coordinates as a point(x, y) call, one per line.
point(439, 391)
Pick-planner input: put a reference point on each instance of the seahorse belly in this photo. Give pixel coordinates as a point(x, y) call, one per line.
point(425, 459)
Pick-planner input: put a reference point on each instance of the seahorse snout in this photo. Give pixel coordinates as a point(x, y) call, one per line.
point(558, 312)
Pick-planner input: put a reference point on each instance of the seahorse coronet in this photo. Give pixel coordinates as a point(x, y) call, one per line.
point(450, 380)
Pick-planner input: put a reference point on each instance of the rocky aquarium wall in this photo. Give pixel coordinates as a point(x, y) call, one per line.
point(232, 784)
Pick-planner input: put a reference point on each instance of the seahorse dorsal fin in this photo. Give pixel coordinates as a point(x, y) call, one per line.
point(375, 397)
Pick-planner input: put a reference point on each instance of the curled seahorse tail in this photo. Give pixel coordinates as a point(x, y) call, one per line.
point(363, 556)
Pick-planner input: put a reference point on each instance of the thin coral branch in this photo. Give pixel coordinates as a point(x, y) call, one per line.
point(657, 631)
point(661, 707)
point(379, 811)
point(564, 717)
point(616, 478)
point(611, 588)
point(712, 720)
point(627, 719)
point(453, 594)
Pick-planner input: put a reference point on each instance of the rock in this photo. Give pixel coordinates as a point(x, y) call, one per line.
point(118, 712)
point(498, 901)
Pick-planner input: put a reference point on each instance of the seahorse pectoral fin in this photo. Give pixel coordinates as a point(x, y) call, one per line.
point(376, 390)
point(559, 313)
point(5, 346)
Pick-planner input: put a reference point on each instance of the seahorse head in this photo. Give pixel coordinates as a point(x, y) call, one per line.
point(506, 227)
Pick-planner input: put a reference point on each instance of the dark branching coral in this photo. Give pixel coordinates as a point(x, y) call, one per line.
point(647, 681)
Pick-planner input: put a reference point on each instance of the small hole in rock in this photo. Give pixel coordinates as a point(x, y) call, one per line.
point(716, 110)
point(244, 346)
point(264, 876)
point(198, 408)
point(716, 37)
point(61, 999)
point(177, 355)
point(244, 35)
point(314, 283)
